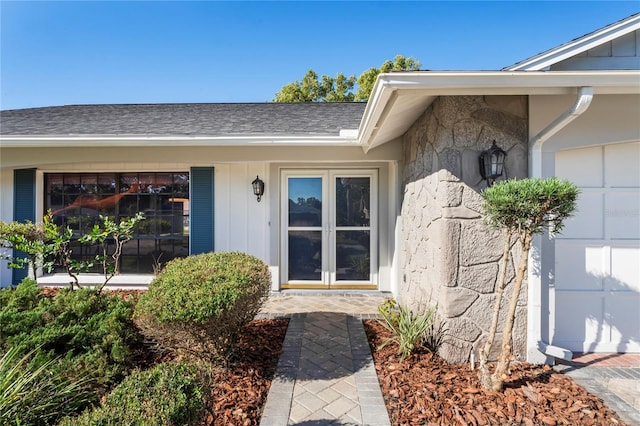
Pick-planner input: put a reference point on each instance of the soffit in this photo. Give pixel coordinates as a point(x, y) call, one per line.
point(398, 99)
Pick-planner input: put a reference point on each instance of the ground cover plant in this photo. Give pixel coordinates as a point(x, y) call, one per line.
point(73, 346)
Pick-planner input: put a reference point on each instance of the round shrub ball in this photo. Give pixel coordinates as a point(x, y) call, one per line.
point(199, 287)
point(202, 301)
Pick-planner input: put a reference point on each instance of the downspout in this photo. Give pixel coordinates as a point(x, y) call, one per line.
point(536, 345)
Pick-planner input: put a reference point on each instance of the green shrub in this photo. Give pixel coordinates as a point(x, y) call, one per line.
point(408, 330)
point(168, 394)
point(200, 303)
point(38, 395)
point(20, 310)
point(76, 334)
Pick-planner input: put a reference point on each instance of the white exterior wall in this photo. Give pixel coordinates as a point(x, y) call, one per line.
point(589, 274)
point(241, 223)
point(620, 53)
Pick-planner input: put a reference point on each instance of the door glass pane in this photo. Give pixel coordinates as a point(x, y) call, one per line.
point(352, 255)
point(352, 201)
point(305, 255)
point(305, 201)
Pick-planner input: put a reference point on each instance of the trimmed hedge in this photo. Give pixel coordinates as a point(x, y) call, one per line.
point(199, 304)
point(168, 394)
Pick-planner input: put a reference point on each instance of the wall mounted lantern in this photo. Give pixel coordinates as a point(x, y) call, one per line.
point(258, 188)
point(492, 163)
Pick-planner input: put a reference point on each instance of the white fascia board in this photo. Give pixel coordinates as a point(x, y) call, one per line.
point(378, 101)
point(577, 46)
point(513, 82)
point(38, 141)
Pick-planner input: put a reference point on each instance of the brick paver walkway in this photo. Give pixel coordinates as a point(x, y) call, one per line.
point(325, 374)
point(613, 377)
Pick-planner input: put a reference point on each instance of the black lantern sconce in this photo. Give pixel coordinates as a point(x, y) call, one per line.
point(258, 188)
point(492, 163)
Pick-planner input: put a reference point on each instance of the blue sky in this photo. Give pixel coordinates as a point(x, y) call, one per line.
point(78, 52)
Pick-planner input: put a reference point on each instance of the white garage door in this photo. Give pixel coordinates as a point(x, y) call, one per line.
point(597, 269)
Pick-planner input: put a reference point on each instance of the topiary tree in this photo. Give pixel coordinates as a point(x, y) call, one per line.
point(199, 304)
point(523, 208)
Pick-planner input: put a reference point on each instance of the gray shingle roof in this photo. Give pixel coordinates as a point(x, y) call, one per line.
point(215, 119)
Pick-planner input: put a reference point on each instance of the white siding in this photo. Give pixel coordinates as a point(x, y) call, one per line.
point(620, 53)
point(241, 223)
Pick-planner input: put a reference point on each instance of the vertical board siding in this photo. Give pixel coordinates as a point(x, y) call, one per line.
point(202, 203)
point(24, 208)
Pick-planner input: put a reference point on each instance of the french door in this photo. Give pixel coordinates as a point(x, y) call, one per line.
point(329, 228)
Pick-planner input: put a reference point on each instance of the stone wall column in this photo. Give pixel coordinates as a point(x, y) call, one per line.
point(450, 257)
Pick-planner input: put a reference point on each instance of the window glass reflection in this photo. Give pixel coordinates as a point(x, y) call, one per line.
point(305, 201)
point(77, 200)
point(353, 201)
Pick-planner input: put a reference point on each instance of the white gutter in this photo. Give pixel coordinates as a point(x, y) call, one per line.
point(534, 334)
point(346, 138)
point(585, 95)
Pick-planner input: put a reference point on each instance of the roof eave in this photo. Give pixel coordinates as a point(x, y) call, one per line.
point(55, 141)
point(393, 91)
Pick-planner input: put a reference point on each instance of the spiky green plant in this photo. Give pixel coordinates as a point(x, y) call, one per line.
point(32, 394)
point(407, 328)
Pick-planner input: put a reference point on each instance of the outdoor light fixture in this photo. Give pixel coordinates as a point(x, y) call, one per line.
point(258, 188)
point(492, 163)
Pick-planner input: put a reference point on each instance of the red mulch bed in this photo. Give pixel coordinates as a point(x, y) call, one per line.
point(239, 393)
point(426, 390)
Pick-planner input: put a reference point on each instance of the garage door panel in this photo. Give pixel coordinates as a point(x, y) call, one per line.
point(580, 266)
point(588, 219)
point(583, 166)
point(582, 323)
point(622, 215)
point(595, 294)
point(623, 320)
point(625, 270)
point(622, 165)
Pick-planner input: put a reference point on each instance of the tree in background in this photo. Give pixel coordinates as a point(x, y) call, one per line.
point(340, 88)
point(523, 208)
point(367, 79)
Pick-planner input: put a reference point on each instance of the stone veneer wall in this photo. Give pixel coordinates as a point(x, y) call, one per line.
point(450, 257)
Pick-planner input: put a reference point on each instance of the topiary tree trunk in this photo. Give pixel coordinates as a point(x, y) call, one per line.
point(523, 208)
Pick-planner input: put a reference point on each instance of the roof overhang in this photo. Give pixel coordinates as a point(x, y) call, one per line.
point(346, 138)
point(399, 98)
